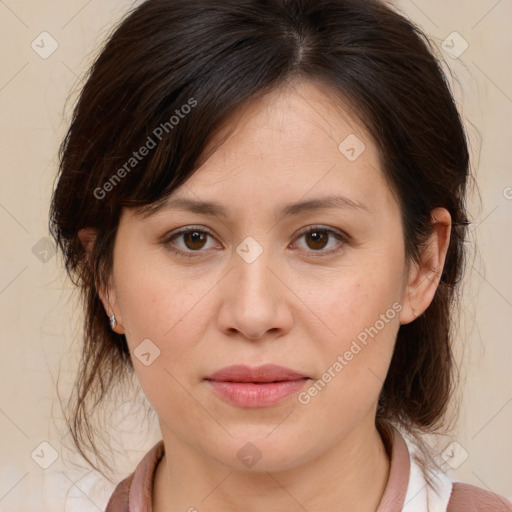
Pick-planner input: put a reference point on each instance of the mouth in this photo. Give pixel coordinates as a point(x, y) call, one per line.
point(260, 386)
point(259, 374)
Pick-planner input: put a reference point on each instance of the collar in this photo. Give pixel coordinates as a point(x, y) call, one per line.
point(407, 489)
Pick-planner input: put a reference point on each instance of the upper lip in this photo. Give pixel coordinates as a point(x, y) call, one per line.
point(264, 373)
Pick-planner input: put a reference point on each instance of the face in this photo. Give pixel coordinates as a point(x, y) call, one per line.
point(319, 289)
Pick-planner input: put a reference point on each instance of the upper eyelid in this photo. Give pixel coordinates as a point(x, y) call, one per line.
point(320, 227)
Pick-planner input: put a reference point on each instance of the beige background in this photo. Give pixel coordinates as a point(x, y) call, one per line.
point(40, 320)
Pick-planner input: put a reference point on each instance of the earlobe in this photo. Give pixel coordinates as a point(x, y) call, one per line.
point(424, 277)
point(115, 326)
point(109, 299)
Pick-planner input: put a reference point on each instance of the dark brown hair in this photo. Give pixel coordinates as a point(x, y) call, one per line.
point(214, 56)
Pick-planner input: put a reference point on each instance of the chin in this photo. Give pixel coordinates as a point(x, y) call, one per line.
point(263, 452)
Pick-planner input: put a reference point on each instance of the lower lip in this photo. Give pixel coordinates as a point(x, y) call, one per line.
point(248, 394)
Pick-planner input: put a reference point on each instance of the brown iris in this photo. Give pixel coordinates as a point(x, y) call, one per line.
point(318, 237)
point(194, 239)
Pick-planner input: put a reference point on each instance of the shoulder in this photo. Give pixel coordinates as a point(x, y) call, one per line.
point(469, 498)
point(119, 501)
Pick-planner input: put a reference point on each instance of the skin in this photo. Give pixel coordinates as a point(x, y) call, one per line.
point(291, 306)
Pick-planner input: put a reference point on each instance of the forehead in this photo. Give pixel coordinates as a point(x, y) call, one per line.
point(297, 111)
point(296, 144)
point(295, 140)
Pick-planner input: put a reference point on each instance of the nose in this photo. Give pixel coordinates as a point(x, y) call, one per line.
point(255, 303)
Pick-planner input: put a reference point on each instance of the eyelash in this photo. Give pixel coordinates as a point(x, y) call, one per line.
point(167, 242)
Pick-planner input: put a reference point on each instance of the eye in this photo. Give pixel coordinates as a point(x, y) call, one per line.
point(193, 240)
point(318, 238)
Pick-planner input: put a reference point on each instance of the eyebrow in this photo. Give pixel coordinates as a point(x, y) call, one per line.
point(217, 209)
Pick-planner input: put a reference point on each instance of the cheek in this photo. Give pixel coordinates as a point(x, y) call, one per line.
point(356, 299)
point(163, 315)
point(361, 311)
point(168, 309)
point(355, 362)
point(158, 302)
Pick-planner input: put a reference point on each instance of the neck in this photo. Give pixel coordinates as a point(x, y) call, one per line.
point(351, 477)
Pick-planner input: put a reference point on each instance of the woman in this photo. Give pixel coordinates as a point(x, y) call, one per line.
point(263, 205)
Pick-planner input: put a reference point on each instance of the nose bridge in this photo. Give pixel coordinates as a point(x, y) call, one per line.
point(253, 304)
point(253, 276)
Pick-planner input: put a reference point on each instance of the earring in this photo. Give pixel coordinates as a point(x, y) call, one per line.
point(113, 322)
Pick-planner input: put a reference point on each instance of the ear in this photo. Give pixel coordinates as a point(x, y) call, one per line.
point(424, 276)
point(107, 295)
point(87, 238)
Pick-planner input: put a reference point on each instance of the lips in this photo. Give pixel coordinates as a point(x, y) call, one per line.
point(259, 374)
point(262, 386)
